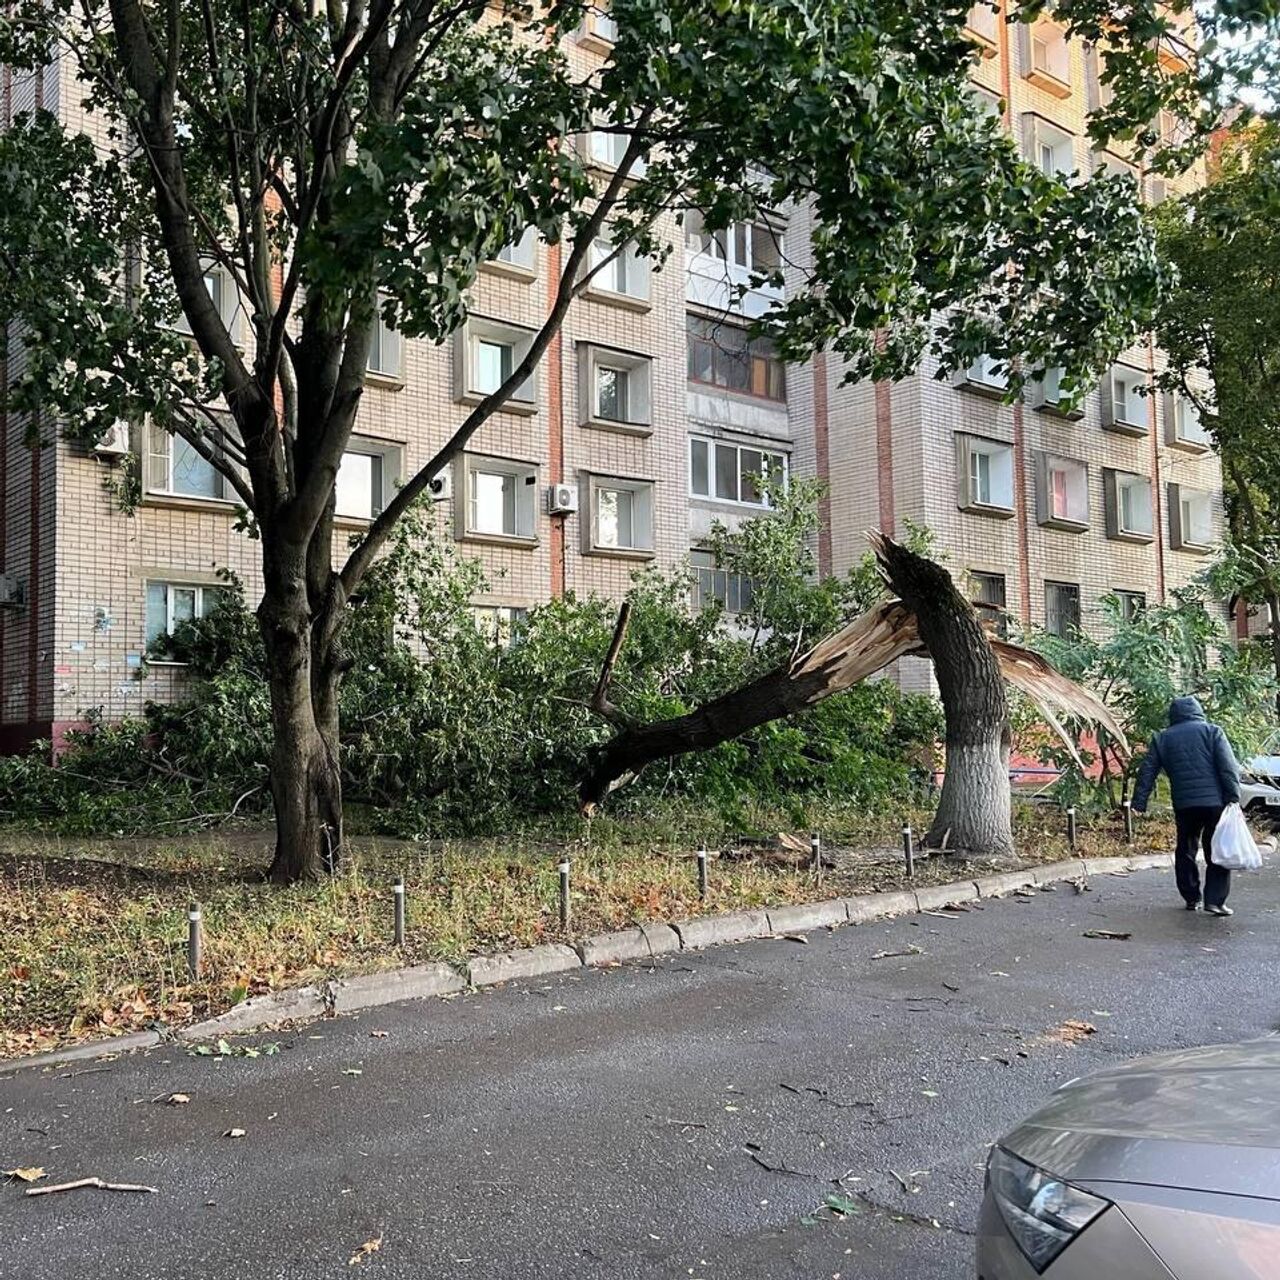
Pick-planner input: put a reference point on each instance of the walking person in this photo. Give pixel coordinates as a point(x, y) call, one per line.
point(1204, 778)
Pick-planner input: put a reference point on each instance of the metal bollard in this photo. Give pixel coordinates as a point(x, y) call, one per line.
point(564, 894)
point(399, 892)
point(909, 848)
point(702, 872)
point(194, 929)
point(1128, 821)
point(815, 846)
point(1071, 827)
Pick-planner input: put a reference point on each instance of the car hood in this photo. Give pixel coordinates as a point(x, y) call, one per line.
point(1200, 1119)
point(1264, 766)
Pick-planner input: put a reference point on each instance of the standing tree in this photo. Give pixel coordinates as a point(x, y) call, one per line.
point(1221, 319)
point(359, 160)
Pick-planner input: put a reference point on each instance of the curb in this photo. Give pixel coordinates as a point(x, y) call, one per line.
point(639, 942)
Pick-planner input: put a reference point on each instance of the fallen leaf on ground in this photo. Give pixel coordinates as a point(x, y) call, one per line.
point(795, 937)
point(352, 1071)
point(179, 1099)
point(369, 1246)
point(234, 1133)
point(31, 1174)
point(379, 1035)
point(1108, 935)
point(1072, 1031)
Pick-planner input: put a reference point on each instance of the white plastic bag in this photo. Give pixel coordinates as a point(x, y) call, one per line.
point(1233, 844)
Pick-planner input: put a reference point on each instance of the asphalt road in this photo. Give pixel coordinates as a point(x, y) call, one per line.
point(685, 1119)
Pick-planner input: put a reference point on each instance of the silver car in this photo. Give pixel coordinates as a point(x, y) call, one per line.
point(1166, 1167)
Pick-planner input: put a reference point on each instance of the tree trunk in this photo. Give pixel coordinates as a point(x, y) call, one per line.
point(975, 809)
point(306, 784)
point(1273, 606)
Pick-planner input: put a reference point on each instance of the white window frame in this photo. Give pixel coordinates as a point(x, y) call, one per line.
point(1043, 140)
point(734, 592)
point(227, 301)
point(1118, 407)
point(201, 606)
point(734, 251)
point(603, 148)
point(1045, 393)
point(478, 329)
point(524, 476)
point(498, 622)
point(1120, 483)
point(382, 478)
point(1049, 584)
point(161, 457)
point(981, 376)
point(998, 502)
point(386, 351)
point(599, 27)
point(519, 258)
point(1046, 57)
point(983, 25)
point(625, 278)
point(1190, 519)
point(638, 372)
point(642, 494)
point(1076, 486)
point(1178, 409)
point(768, 453)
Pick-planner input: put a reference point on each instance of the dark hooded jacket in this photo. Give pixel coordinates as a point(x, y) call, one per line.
point(1202, 768)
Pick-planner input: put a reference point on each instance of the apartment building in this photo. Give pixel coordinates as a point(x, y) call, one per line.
point(651, 416)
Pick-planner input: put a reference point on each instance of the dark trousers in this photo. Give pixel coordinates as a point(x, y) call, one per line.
point(1195, 830)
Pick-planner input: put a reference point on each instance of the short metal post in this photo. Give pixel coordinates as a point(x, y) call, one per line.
point(399, 892)
point(1128, 821)
point(194, 930)
point(909, 848)
point(564, 894)
point(815, 845)
point(702, 872)
point(1071, 827)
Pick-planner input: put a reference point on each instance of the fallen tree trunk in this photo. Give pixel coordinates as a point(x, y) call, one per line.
point(889, 631)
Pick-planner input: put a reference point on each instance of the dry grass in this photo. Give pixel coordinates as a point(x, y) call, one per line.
point(93, 933)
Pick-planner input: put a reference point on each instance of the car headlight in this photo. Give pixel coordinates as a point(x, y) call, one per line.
point(1043, 1213)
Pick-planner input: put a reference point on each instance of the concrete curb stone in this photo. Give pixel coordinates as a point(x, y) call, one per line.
point(866, 907)
point(369, 990)
point(936, 896)
point(1149, 861)
point(808, 915)
point(660, 937)
point(258, 1012)
point(82, 1052)
point(613, 948)
point(707, 931)
point(996, 886)
point(532, 962)
point(1052, 872)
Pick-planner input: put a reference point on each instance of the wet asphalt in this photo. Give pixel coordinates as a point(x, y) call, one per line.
point(687, 1118)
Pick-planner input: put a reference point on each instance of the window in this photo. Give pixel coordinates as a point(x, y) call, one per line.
point(989, 601)
point(501, 499)
point(221, 289)
point(599, 25)
point(724, 355)
point(607, 147)
point(1129, 508)
point(731, 472)
point(175, 467)
point(614, 389)
point(1133, 604)
point(1061, 608)
point(749, 248)
point(1049, 148)
point(621, 515)
point(1190, 519)
point(361, 484)
point(1116, 167)
point(1046, 57)
point(733, 592)
point(486, 354)
point(1182, 423)
point(500, 624)
point(985, 373)
point(172, 603)
point(385, 351)
point(624, 273)
point(986, 475)
point(1124, 400)
point(1045, 392)
point(520, 253)
point(984, 23)
point(1062, 492)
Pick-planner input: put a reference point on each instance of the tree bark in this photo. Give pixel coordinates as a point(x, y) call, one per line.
point(306, 782)
point(975, 808)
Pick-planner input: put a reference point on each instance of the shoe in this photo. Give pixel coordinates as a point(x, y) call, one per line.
point(1220, 910)
point(1194, 906)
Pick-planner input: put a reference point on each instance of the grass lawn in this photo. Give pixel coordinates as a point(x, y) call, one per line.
point(93, 932)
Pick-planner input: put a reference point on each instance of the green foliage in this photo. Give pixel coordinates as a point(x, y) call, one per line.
point(1140, 665)
point(446, 731)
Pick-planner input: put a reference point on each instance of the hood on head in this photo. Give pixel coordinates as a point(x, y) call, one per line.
point(1182, 709)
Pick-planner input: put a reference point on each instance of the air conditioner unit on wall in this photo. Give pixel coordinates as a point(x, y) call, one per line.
point(440, 486)
point(114, 442)
point(13, 591)
point(562, 500)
